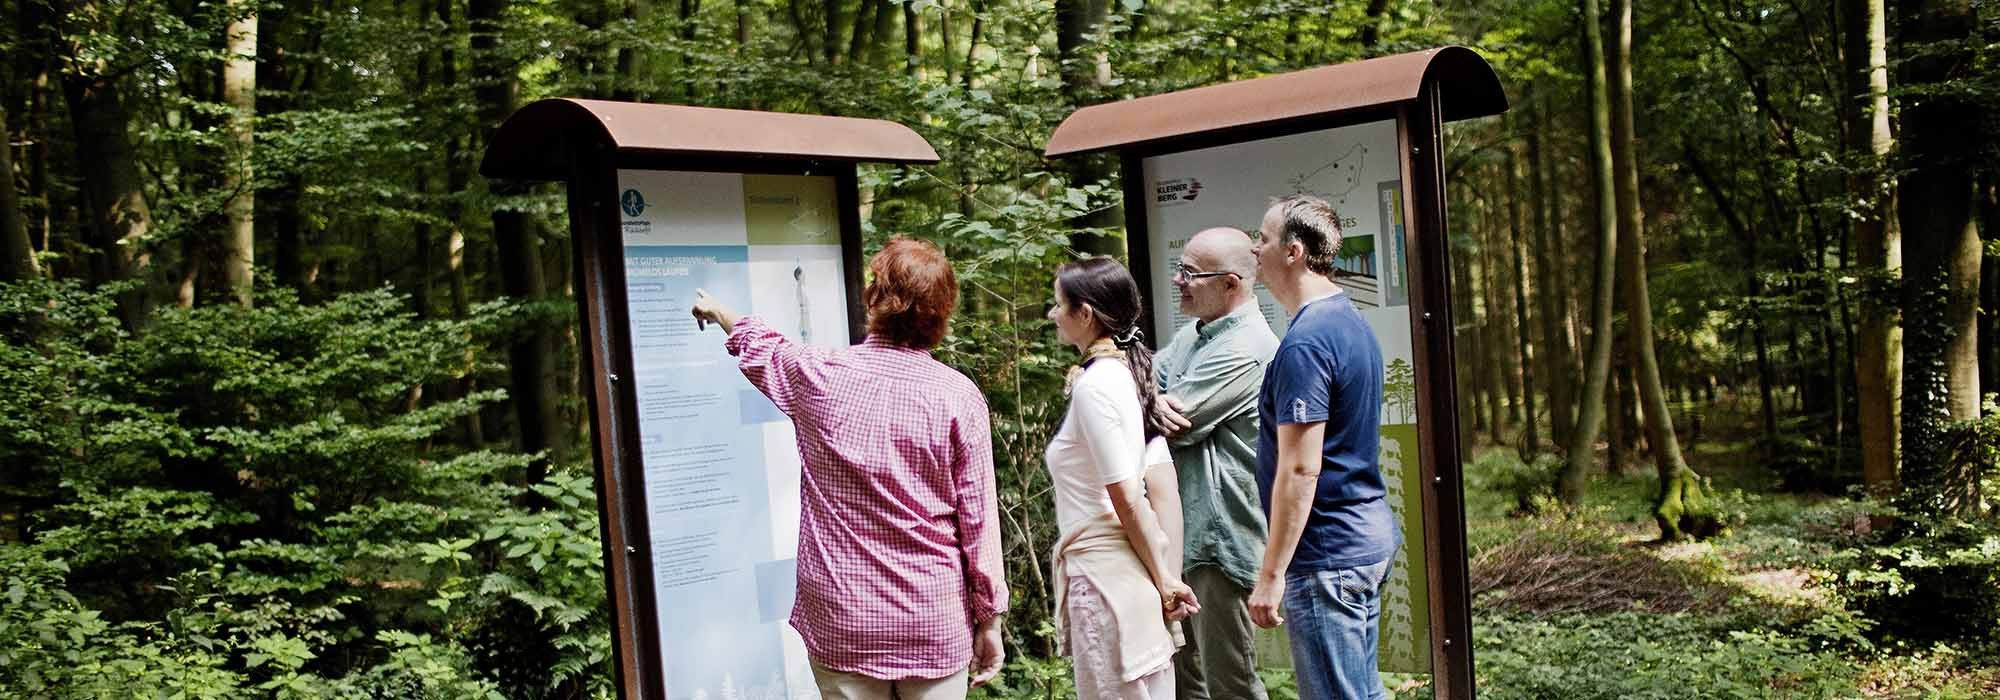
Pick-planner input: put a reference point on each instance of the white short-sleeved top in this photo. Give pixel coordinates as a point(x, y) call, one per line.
point(1102, 441)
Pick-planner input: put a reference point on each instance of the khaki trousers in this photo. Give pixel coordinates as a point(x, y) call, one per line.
point(840, 685)
point(1220, 659)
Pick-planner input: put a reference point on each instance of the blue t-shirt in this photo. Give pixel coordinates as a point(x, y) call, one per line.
point(1329, 369)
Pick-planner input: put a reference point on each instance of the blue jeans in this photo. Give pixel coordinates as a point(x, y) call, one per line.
point(1332, 618)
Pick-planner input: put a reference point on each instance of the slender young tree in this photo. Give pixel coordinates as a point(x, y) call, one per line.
point(1680, 508)
point(516, 244)
point(239, 92)
point(17, 253)
point(1552, 294)
point(1530, 432)
point(1878, 352)
point(1086, 71)
point(1597, 372)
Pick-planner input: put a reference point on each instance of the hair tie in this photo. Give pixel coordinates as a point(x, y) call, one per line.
point(1129, 337)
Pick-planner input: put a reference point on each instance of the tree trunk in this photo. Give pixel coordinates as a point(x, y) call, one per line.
point(913, 41)
point(1989, 289)
point(883, 34)
point(1878, 352)
point(1086, 72)
point(239, 92)
point(29, 67)
point(1371, 26)
point(860, 41)
point(830, 43)
point(947, 44)
point(518, 249)
point(1530, 434)
point(280, 204)
point(1493, 328)
point(1620, 430)
point(1941, 265)
point(118, 211)
point(972, 37)
point(422, 235)
point(631, 62)
point(1471, 378)
point(1552, 294)
point(1590, 414)
point(1680, 510)
point(17, 253)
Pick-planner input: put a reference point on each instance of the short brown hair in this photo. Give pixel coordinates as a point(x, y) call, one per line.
point(912, 294)
point(1313, 223)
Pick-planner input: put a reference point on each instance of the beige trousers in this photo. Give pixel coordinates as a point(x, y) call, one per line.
point(840, 685)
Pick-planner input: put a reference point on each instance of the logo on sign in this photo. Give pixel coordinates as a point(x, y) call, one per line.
point(632, 202)
point(1176, 191)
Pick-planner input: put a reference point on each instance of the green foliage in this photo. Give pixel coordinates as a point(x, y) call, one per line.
point(1943, 552)
point(1531, 487)
point(1927, 564)
point(251, 502)
point(1634, 655)
point(291, 500)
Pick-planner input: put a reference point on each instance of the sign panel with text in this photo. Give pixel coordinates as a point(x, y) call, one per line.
point(721, 464)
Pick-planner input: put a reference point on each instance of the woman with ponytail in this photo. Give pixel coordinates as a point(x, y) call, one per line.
point(1118, 588)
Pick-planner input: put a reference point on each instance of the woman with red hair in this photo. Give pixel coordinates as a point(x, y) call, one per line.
point(900, 586)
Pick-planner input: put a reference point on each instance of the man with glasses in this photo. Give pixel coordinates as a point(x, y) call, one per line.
point(1209, 379)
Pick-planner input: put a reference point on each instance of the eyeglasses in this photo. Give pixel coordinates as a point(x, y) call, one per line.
point(1182, 271)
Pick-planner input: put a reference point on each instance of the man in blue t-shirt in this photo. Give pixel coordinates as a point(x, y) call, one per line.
point(1332, 533)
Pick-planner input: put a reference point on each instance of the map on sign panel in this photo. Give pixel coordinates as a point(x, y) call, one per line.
point(1334, 179)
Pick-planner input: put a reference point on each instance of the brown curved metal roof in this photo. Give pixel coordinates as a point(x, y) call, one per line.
point(532, 143)
point(1470, 89)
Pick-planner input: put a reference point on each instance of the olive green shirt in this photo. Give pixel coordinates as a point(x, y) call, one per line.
point(1215, 369)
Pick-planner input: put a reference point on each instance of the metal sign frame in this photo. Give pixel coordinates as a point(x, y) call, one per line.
point(585, 144)
point(1404, 88)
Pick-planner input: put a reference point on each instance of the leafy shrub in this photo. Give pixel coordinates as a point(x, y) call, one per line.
point(1531, 485)
point(253, 502)
point(1944, 551)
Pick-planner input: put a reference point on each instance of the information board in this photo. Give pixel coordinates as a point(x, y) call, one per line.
point(1355, 169)
point(722, 472)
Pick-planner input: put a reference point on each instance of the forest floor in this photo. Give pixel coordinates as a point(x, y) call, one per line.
point(1587, 603)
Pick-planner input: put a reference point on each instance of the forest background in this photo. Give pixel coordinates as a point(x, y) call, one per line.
point(289, 395)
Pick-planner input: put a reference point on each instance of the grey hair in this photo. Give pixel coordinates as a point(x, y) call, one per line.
point(1314, 224)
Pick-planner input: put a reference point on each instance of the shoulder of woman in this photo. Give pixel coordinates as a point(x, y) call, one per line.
point(1106, 374)
point(1107, 387)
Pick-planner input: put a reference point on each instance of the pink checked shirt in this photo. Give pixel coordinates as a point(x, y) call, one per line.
point(899, 540)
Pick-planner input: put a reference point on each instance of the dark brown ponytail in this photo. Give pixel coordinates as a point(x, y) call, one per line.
point(1107, 288)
